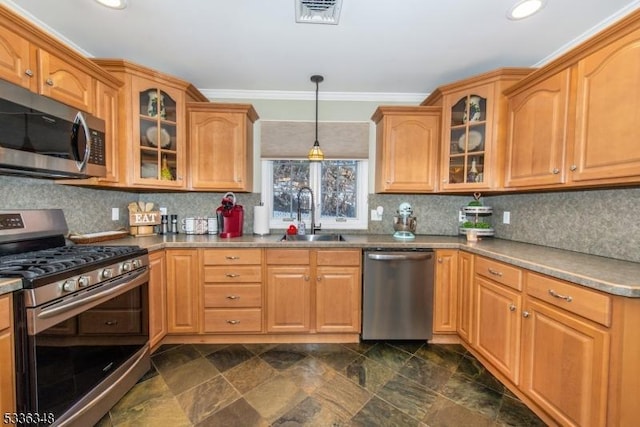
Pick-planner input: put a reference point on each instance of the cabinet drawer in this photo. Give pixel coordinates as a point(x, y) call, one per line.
point(233, 320)
point(288, 256)
point(233, 274)
point(105, 322)
point(499, 272)
point(339, 257)
point(232, 296)
point(232, 256)
point(5, 312)
point(583, 302)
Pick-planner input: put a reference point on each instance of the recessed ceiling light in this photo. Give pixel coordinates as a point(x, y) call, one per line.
point(525, 8)
point(113, 4)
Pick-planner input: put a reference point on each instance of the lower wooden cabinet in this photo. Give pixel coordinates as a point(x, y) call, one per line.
point(157, 297)
point(232, 290)
point(445, 291)
point(7, 365)
point(313, 290)
point(183, 291)
point(465, 307)
point(549, 338)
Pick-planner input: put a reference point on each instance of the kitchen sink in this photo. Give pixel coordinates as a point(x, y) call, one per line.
point(312, 238)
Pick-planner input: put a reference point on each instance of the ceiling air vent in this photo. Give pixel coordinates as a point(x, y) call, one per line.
point(318, 11)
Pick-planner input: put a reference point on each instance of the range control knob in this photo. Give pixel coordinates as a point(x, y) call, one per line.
point(69, 285)
point(107, 273)
point(125, 266)
point(136, 263)
point(84, 281)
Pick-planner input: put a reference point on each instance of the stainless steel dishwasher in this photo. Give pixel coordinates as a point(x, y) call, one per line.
point(397, 302)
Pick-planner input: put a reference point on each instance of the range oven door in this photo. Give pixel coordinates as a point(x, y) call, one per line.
point(79, 355)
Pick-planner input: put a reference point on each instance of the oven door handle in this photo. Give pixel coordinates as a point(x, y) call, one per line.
point(80, 304)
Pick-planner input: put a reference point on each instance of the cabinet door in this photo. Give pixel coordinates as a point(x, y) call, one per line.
point(445, 291)
point(107, 110)
point(606, 129)
point(497, 333)
point(7, 371)
point(218, 152)
point(564, 365)
point(288, 299)
point(465, 296)
point(59, 79)
point(15, 59)
point(157, 297)
point(158, 140)
point(406, 153)
point(338, 299)
point(537, 134)
point(468, 139)
point(183, 298)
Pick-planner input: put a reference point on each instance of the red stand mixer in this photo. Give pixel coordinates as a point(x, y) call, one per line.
point(230, 217)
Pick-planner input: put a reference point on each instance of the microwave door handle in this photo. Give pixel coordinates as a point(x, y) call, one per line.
point(80, 125)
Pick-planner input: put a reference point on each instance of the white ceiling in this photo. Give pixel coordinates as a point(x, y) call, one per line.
point(400, 49)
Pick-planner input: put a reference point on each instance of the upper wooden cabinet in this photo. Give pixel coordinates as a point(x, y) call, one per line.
point(33, 59)
point(573, 122)
point(221, 146)
point(406, 149)
point(473, 129)
point(152, 131)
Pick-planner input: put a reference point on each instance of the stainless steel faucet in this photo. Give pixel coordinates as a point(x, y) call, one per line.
point(313, 227)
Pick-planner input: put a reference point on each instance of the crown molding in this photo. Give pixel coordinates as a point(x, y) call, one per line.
point(310, 95)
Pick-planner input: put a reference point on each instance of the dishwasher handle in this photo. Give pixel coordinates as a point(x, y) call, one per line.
point(399, 256)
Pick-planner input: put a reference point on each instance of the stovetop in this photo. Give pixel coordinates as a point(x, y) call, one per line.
point(51, 264)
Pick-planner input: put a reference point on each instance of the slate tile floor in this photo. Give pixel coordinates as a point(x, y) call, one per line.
point(366, 384)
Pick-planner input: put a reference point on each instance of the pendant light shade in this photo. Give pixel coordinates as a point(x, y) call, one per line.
point(316, 154)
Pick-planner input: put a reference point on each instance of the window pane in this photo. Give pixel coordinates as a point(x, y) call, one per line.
point(288, 177)
point(339, 189)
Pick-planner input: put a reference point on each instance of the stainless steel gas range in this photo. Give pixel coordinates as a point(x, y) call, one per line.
point(81, 319)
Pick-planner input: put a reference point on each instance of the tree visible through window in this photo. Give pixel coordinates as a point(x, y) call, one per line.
point(339, 188)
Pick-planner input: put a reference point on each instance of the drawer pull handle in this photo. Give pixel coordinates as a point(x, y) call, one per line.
point(233, 297)
point(232, 275)
point(512, 307)
point(233, 322)
point(554, 294)
point(495, 272)
point(232, 257)
point(111, 322)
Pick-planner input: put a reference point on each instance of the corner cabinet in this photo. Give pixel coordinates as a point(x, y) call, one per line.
point(406, 149)
point(573, 123)
point(152, 131)
point(221, 146)
point(473, 129)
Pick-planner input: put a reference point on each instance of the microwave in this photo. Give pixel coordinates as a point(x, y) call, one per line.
point(44, 138)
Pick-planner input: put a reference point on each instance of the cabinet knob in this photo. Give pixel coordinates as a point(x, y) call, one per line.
point(307, 278)
point(440, 260)
point(556, 171)
point(573, 167)
point(28, 72)
point(512, 307)
point(525, 314)
point(49, 82)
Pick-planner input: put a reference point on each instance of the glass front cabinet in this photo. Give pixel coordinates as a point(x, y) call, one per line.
point(473, 130)
point(152, 132)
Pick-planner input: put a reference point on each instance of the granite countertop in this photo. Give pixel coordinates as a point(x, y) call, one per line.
point(10, 284)
point(604, 274)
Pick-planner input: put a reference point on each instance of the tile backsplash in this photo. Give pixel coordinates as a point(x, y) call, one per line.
point(598, 222)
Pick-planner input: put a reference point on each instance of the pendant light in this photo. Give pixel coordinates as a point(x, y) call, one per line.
point(316, 154)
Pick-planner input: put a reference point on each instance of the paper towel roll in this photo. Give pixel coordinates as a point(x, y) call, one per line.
point(261, 220)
